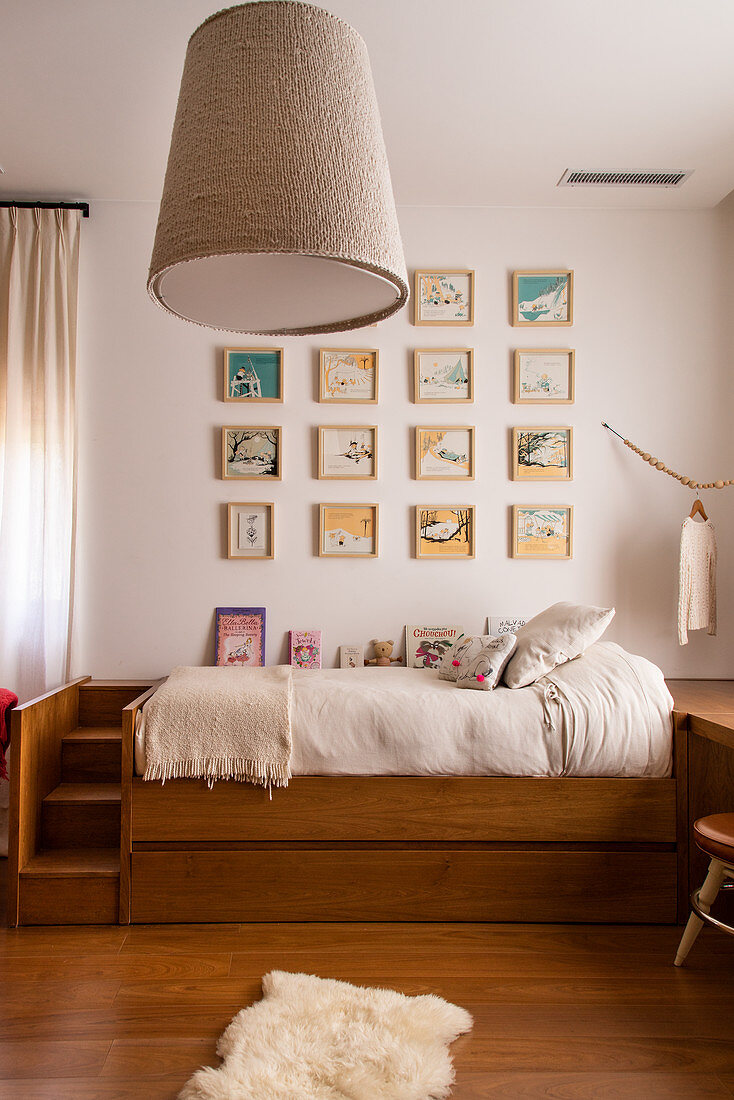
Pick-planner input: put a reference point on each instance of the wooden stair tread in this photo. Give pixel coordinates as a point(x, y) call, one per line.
point(84, 792)
point(94, 733)
point(74, 861)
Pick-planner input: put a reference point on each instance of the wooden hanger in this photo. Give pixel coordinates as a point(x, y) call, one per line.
point(698, 508)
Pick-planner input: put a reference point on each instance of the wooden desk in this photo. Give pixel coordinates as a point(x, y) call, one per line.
point(707, 709)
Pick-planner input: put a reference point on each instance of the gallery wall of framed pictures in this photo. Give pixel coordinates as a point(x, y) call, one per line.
point(443, 375)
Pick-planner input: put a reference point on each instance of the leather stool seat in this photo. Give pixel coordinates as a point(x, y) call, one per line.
point(714, 835)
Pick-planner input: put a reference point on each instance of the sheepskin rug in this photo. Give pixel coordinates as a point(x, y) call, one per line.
point(318, 1039)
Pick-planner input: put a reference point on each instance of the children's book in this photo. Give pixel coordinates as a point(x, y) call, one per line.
point(305, 648)
point(240, 637)
point(426, 645)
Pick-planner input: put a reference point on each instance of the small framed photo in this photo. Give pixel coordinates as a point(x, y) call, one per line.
point(250, 530)
point(542, 531)
point(444, 454)
point(304, 648)
point(444, 532)
point(240, 636)
point(542, 298)
point(253, 374)
point(542, 454)
point(351, 656)
point(348, 452)
point(443, 376)
point(349, 375)
point(544, 376)
point(426, 645)
point(444, 297)
point(348, 530)
point(251, 454)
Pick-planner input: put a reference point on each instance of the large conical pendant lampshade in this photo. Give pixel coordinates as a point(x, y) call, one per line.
point(277, 215)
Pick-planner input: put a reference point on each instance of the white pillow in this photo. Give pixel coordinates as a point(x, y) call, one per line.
point(482, 669)
point(555, 636)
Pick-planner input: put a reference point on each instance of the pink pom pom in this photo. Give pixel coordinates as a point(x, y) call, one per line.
point(480, 678)
point(456, 663)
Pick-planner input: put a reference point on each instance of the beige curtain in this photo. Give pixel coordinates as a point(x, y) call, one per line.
point(39, 263)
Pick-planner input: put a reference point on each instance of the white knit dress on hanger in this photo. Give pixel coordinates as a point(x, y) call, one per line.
point(697, 578)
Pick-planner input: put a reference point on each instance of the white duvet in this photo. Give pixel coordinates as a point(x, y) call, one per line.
point(607, 713)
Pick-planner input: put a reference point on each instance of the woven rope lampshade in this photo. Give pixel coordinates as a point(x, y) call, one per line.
point(277, 215)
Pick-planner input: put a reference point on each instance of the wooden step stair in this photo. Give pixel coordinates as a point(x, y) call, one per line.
point(71, 886)
point(75, 815)
point(92, 754)
point(65, 861)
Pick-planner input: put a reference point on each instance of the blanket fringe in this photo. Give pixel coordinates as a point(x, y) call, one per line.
point(261, 773)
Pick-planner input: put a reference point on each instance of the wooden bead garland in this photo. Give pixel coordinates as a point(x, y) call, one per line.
point(658, 465)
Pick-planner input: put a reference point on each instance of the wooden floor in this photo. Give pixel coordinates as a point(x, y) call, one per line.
point(560, 1011)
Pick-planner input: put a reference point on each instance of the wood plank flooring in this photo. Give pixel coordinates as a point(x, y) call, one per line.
point(561, 1011)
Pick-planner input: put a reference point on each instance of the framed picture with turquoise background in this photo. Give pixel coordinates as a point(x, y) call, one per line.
point(253, 374)
point(542, 299)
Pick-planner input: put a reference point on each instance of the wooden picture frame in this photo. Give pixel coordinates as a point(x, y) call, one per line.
point(343, 539)
point(442, 377)
point(542, 453)
point(544, 376)
point(444, 297)
point(439, 448)
point(256, 443)
point(548, 296)
point(561, 546)
point(253, 375)
point(438, 532)
point(349, 376)
point(251, 522)
point(357, 449)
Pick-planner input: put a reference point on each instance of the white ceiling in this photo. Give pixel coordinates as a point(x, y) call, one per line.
point(484, 102)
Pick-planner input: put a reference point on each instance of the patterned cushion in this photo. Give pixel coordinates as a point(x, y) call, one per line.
point(482, 665)
point(464, 644)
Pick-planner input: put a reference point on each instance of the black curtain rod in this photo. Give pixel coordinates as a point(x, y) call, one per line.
point(83, 206)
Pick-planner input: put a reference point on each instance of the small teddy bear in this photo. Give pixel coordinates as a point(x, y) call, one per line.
point(382, 657)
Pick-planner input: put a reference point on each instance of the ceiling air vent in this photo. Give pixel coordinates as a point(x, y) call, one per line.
point(577, 178)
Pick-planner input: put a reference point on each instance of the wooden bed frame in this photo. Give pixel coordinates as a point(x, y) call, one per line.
point(404, 849)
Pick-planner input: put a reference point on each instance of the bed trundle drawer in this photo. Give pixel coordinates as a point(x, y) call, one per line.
point(371, 809)
point(402, 883)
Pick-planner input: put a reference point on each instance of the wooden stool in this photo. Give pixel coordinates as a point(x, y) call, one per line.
point(714, 835)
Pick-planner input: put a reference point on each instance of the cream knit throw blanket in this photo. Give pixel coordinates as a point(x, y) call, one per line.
point(221, 723)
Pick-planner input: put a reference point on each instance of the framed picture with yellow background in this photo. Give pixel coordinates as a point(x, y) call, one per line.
point(348, 530)
point(444, 531)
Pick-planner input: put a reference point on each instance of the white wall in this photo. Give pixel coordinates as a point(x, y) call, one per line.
point(653, 357)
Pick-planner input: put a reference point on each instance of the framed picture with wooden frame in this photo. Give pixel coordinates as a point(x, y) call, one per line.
point(444, 453)
point(542, 454)
point(444, 531)
point(544, 376)
point(348, 530)
point(253, 374)
point(444, 296)
point(349, 375)
point(542, 299)
point(250, 529)
point(542, 531)
point(347, 452)
point(443, 376)
point(251, 453)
